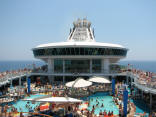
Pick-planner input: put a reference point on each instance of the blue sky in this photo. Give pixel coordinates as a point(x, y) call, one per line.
point(25, 24)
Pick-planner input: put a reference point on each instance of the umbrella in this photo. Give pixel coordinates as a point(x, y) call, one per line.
point(79, 82)
point(55, 99)
point(99, 79)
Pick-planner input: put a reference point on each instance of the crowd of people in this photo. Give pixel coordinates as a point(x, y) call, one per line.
point(145, 78)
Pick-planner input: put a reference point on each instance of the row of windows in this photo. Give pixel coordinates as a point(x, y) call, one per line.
point(77, 66)
point(79, 51)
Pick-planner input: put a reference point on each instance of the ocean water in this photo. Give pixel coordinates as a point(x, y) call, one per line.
point(14, 65)
point(149, 66)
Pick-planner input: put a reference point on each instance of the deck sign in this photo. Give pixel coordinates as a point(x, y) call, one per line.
point(125, 101)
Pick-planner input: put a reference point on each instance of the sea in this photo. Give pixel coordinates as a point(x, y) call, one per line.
point(149, 66)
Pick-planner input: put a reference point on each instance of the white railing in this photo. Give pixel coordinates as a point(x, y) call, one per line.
point(147, 87)
point(11, 76)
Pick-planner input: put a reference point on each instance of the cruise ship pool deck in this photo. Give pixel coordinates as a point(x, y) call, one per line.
point(100, 101)
point(26, 106)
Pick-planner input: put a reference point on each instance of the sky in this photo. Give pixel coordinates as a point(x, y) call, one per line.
point(24, 24)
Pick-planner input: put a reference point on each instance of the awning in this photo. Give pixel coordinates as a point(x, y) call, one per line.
point(79, 82)
point(55, 100)
point(99, 79)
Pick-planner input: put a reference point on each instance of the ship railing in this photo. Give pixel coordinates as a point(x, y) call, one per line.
point(5, 79)
point(78, 71)
point(143, 84)
point(146, 88)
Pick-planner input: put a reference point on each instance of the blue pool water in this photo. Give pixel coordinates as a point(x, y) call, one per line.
point(141, 106)
point(102, 97)
point(21, 105)
point(109, 105)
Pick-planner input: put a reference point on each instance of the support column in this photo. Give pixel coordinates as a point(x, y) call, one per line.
point(91, 66)
point(51, 69)
point(19, 81)
point(106, 65)
point(28, 85)
point(113, 86)
point(142, 94)
point(64, 80)
point(11, 81)
point(50, 65)
point(102, 66)
point(125, 102)
point(151, 101)
point(127, 79)
point(131, 80)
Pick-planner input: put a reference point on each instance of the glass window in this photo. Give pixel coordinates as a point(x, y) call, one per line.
point(77, 66)
point(58, 66)
point(80, 51)
point(96, 65)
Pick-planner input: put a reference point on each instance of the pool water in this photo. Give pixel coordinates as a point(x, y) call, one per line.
point(141, 106)
point(102, 98)
point(21, 105)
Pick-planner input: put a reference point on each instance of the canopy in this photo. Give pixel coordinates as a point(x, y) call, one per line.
point(99, 79)
point(56, 100)
point(80, 82)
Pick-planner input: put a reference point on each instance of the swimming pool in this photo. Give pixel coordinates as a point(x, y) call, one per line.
point(102, 98)
point(141, 106)
point(21, 105)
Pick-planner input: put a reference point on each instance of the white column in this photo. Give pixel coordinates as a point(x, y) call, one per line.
point(127, 78)
point(64, 80)
point(131, 80)
point(106, 66)
point(91, 66)
point(51, 69)
point(50, 65)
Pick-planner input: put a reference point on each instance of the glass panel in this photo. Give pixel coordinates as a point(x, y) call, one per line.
point(58, 78)
point(58, 66)
point(77, 51)
point(81, 51)
point(77, 66)
point(96, 65)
